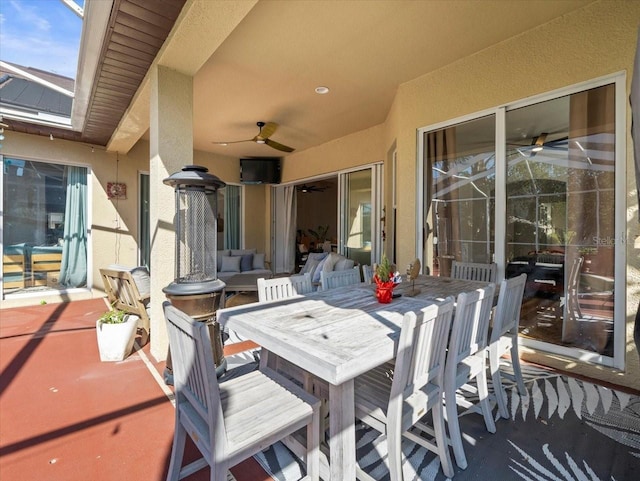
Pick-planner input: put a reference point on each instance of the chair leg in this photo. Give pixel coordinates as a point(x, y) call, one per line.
point(441, 439)
point(394, 456)
point(483, 392)
point(177, 452)
point(515, 362)
point(496, 379)
point(219, 473)
point(313, 447)
point(455, 436)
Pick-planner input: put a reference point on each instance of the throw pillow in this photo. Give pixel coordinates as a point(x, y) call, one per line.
point(313, 256)
point(315, 277)
point(241, 252)
point(219, 255)
point(246, 262)
point(331, 261)
point(230, 264)
point(258, 261)
point(310, 267)
point(344, 264)
point(142, 279)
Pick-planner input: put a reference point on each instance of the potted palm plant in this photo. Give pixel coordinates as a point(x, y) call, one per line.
point(115, 330)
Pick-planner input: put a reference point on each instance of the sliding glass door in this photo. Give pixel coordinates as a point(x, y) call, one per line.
point(44, 226)
point(532, 187)
point(360, 210)
point(560, 218)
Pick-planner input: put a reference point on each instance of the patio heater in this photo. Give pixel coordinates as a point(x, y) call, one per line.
point(196, 289)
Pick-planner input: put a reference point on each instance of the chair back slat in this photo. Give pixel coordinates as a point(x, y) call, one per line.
point(471, 322)
point(283, 287)
point(431, 333)
point(471, 271)
point(196, 385)
point(334, 279)
point(367, 273)
point(507, 314)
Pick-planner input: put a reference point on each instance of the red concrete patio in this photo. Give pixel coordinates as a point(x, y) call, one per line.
point(65, 416)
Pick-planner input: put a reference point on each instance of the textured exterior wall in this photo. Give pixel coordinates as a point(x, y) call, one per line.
point(597, 40)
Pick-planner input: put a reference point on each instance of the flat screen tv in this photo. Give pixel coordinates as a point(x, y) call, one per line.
point(260, 170)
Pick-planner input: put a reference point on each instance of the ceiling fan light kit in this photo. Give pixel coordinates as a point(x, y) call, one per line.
point(539, 143)
point(267, 129)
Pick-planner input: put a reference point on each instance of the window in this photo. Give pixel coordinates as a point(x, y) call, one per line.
point(44, 226)
point(560, 216)
point(460, 177)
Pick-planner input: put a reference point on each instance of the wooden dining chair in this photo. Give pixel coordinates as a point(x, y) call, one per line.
point(590, 332)
point(471, 271)
point(335, 279)
point(280, 288)
point(367, 273)
point(466, 360)
point(283, 287)
point(231, 421)
point(503, 338)
point(394, 407)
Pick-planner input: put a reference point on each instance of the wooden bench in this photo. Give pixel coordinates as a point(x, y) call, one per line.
point(13, 271)
point(43, 263)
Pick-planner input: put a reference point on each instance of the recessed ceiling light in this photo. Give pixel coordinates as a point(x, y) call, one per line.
point(322, 90)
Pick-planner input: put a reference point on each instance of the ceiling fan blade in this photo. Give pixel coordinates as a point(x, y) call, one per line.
point(235, 141)
point(278, 146)
point(267, 130)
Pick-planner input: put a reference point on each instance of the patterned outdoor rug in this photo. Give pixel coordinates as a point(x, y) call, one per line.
point(564, 430)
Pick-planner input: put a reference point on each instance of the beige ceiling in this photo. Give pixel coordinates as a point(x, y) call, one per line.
point(267, 67)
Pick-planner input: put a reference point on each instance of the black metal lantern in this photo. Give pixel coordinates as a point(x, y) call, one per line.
point(196, 289)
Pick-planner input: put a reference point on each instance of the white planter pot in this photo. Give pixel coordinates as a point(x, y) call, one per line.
point(115, 341)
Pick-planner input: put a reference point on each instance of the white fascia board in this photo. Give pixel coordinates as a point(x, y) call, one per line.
point(94, 31)
point(40, 118)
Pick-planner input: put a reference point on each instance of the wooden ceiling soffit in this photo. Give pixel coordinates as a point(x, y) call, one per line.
point(136, 32)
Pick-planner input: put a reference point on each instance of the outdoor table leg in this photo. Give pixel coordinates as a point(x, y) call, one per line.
point(342, 440)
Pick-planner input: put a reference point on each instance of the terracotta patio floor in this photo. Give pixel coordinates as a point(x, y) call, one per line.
point(66, 416)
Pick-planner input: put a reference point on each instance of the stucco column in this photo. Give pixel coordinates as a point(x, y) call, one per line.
point(170, 148)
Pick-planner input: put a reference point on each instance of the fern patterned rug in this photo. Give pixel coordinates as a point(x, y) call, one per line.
point(565, 429)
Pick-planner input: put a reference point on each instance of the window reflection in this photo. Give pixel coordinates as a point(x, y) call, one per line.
point(560, 205)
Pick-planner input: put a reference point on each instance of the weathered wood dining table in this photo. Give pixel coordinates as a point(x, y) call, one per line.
point(337, 335)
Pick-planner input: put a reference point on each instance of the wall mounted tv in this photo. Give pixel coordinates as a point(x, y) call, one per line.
point(260, 170)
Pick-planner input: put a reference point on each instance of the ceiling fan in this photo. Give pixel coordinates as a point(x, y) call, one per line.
point(544, 140)
point(309, 188)
point(267, 129)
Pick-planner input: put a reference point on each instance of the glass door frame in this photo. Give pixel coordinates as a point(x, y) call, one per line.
point(377, 201)
point(619, 79)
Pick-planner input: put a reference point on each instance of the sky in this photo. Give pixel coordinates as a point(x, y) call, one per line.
point(43, 34)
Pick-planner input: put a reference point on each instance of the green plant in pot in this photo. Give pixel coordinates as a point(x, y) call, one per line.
point(319, 236)
point(115, 331)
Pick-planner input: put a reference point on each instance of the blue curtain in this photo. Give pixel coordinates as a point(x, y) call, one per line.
point(232, 217)
point(73, 271)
